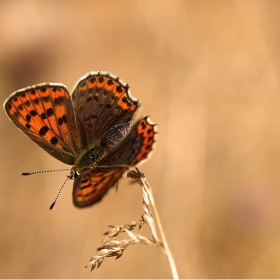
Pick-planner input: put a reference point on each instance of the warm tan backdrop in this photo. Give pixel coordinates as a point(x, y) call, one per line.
point(208, 73)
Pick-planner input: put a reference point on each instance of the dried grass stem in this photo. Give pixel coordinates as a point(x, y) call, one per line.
point(146, 188)
point(111, 247)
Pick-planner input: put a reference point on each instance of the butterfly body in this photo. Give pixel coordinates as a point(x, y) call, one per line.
point(92, 129)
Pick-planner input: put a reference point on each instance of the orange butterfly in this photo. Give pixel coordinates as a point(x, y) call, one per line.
point(91, 129)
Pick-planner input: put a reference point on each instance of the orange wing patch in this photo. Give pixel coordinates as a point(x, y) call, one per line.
point(89, 188)
point(147, 131)
point(43, 113)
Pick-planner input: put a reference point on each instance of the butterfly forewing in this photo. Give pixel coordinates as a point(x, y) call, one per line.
point(101, 101)
point(45, 114)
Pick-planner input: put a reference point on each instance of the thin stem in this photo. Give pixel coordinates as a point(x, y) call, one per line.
point(163, 239)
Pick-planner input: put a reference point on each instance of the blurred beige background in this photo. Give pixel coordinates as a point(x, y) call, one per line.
point(207, 72)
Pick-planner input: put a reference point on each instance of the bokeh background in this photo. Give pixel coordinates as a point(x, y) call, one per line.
point(207, 72)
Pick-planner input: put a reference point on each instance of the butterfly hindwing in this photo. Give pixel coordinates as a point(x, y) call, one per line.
point(44, 113)
point(132, 144)
point(90, 187)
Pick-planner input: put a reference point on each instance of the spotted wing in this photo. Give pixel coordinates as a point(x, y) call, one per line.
point(135, 146)
point(44, 113)
point(90, 187)
point(100, 101)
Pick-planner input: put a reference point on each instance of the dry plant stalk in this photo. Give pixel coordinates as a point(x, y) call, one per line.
point(111, 247)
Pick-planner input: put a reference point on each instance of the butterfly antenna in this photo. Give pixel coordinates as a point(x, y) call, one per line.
point(43, 171)
point(52, 205)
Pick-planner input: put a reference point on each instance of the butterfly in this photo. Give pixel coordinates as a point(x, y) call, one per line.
point(92, 129)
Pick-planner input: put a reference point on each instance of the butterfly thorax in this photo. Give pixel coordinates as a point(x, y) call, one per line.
point(96, 156)
point(89, 159)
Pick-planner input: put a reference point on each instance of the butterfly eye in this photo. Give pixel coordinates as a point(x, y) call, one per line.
point(74, 174)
